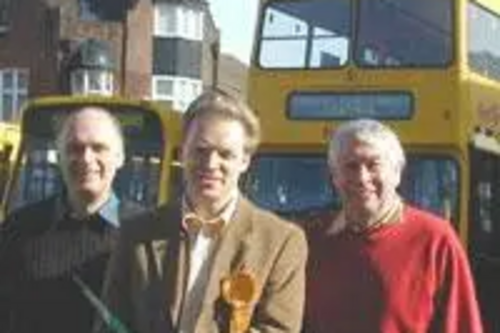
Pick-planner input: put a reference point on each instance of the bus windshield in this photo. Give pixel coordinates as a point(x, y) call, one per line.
point(37, 174)
point(387, 33)
point(429, 181)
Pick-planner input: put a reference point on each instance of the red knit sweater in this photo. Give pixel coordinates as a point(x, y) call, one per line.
point(409, 277)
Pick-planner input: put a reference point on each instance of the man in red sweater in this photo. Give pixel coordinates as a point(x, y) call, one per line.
point(381, 265)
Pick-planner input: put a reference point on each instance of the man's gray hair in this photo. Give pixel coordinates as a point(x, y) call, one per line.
point(367, 131)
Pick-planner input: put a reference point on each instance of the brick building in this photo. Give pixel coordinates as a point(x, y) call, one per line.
point(151, 49)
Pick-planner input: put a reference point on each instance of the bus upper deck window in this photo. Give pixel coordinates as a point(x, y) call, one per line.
point(412, 33)
point(305, 34)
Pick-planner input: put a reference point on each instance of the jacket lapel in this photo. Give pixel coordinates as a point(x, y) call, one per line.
point(172, 254)
point(178, 259)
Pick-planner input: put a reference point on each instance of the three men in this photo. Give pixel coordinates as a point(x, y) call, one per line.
point(172, 268)
point(47, 245)
point(215, 261)
point(381, 265)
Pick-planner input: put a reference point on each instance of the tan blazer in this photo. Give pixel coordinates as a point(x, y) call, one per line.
point(149, 270)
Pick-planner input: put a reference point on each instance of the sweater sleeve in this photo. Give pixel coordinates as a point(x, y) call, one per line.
point(456, 307)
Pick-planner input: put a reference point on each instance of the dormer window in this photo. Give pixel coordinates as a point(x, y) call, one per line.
point(103, 10)
point(91, 69)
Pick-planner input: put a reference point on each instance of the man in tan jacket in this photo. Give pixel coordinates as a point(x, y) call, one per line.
point(212, 262)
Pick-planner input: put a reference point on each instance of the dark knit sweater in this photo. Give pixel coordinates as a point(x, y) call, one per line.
point(41, 248)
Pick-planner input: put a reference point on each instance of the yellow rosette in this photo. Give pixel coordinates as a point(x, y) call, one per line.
point(239, 291)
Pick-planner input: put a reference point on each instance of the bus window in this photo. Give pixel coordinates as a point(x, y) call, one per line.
point(404, 33)
point(305, 34)
point(319, 33)
point(40, 175)
point(430, 182)
point(272, 182)
point(138, 180)
point(483, 42)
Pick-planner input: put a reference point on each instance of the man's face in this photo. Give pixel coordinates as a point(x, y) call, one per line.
point(214, 158)
point(90, 156)
point(366, 179)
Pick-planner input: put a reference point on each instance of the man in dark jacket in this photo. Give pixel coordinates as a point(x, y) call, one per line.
point(46, 246)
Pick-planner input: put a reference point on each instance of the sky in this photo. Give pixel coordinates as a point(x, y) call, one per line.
point(236, 21)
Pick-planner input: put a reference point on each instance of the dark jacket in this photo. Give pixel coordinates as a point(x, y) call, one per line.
point(42, 248)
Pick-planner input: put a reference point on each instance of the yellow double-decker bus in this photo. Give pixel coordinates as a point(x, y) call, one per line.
point(151, 137)
point(429, 68)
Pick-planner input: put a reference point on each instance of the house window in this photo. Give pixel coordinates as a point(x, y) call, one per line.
point(165, 20)
point(5, 14)
point(163, 87)
point(86, 12)
point(92, 82)
point(179, 91)
point(99, 10)
point(178, 21)
point(13, 92)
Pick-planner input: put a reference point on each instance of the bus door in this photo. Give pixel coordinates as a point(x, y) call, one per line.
point(484, 233)
point(37, 175)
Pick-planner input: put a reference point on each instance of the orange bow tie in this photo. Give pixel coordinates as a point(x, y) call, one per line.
point(195, 224)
